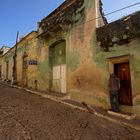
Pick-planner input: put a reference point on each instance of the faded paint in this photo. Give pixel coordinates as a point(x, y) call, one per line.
point(86, 65)
point(83, 82)
point(57, 64)
point(132, 49)
point(25, 45)
point(8, 57)
point(121, 42)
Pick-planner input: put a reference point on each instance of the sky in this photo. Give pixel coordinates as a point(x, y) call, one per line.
point(23, 15)
point(112, 5)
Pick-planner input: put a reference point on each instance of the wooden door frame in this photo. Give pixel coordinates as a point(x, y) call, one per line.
point(117, 60)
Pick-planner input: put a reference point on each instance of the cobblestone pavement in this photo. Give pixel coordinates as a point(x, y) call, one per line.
point(24, 116)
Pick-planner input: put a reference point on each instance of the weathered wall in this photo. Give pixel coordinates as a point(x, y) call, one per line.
point(8, 57)
point(84, 78)
point(42, 74)
point(118, 39)
point(119, 50)
point(87, 68)
point(27, 46)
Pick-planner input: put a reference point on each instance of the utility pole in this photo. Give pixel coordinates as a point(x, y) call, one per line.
point(14, 80)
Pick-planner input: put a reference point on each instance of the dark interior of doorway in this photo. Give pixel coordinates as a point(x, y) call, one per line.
point(122, 70)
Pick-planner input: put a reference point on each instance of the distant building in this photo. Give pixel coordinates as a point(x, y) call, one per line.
point(26, 51)
point(3, 50)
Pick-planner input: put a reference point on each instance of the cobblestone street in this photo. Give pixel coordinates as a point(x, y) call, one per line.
point(24, 116)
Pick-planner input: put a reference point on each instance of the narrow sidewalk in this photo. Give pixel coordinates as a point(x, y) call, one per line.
point(121, 118)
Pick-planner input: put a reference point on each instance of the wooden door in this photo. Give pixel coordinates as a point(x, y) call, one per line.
point(59, 78)
point(123, 72)
point(58, 67)
point(56, 84)
point(7, 70)
point(24, 70)
point(0, 70)
point(63, 78)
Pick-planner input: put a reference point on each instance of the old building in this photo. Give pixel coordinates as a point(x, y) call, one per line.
point(26, 48)
point(119, 52)
point(66, 51)
point(3, 50)
point(75, 50)
point(61, 58)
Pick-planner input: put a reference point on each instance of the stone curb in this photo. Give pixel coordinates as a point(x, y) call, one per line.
point(125, 116)
point(79, 108)
point(57, 99)
point(82, 109)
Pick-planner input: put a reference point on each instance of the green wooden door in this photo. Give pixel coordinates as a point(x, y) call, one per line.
point(58, 67)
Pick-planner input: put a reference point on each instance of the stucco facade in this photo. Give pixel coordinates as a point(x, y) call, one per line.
point(3, 50)
point(76, 73)
point(118, 51)
point(26, 46)
point(68, 55)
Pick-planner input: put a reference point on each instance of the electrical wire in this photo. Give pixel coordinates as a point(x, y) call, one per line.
point(110, 13)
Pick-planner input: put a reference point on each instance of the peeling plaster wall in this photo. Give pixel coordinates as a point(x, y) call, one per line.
point(85, 81)
point(133, 48)
point(42, 74)
point(84, 77)
point(87, 65)
point(120, 38)
point(27, 46)
point(8, 57)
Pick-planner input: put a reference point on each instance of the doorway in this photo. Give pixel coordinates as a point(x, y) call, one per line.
point(122, 70)
point(58, 67)
point(0, 71)
point(24, 69)
point(7, 70)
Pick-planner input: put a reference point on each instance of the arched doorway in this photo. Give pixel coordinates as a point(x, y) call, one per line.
point(57, 59)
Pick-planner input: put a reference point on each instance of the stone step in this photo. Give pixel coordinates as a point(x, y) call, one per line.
point(127, 116)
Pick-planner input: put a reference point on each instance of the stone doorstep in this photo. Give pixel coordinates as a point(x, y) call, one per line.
point(122, 115)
